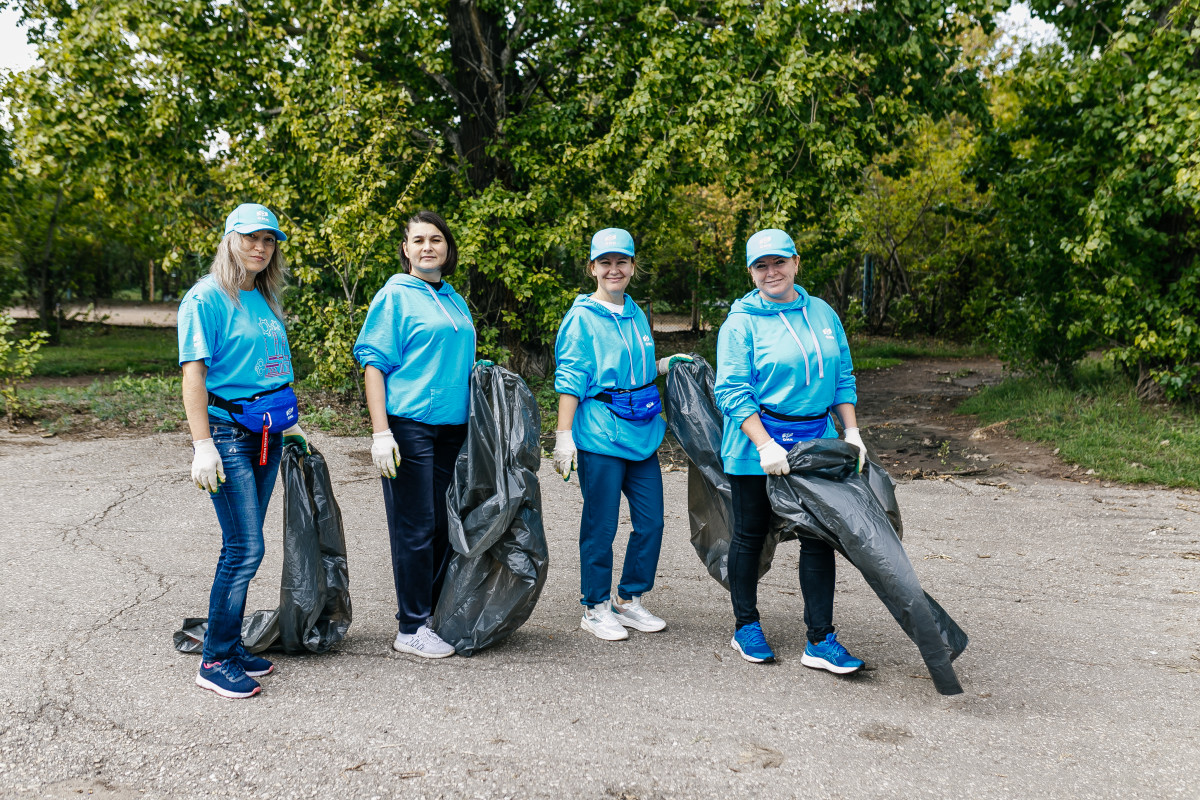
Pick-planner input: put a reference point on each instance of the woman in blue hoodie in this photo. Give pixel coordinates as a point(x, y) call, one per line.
point(610, 427)
point(417, 346)
point(783, 364)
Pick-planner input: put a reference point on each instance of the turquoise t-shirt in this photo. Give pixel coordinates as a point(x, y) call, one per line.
point(246, 349)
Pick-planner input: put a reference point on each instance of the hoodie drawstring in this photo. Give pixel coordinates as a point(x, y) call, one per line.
point(816, 342)
point(633, 378)
point(433, 294)
point(807, 369)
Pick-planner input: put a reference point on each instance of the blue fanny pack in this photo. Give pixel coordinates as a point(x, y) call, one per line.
point(788, 431)
point(270, 412)
point(637, 404)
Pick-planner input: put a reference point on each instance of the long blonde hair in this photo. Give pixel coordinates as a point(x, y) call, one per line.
point(228, 271)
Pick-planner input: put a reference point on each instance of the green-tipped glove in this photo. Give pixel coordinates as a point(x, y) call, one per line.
point(853, 438)
point(483, 362)
point(208, 473)
point(664, 364)
point(296, 435)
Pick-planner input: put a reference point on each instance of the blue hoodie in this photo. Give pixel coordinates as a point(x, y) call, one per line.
point(599, 349)
point(423, 341)
point(792, 358)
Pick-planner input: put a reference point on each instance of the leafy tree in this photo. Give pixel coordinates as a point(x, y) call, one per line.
point(1095, 184)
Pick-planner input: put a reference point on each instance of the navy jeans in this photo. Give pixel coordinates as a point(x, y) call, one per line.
point(751, 521)
point(415, 502)
point(603, 479)
point(241, 505)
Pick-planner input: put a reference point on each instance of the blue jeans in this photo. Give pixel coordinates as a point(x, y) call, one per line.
point(818, 571)
point(603, 479)
point(415, 502)
point(241, 505)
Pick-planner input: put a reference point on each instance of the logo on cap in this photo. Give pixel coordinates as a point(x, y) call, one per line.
point(262, 214)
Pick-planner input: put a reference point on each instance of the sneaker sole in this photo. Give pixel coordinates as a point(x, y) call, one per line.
point(403, 648)
point(205, 683)
point(813, 662)
point(594, 630)
point(260, 673)
point(734, 644)
point(638, 626)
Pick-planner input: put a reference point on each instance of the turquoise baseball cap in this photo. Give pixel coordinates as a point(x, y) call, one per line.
point(771, 242)
point(251, 217)
point(611, 240)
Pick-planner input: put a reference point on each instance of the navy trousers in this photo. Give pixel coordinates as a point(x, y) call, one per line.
point(415, 501)
point(751, 520)
point(603, 480)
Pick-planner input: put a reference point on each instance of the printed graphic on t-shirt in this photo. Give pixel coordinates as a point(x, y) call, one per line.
point(277, 365)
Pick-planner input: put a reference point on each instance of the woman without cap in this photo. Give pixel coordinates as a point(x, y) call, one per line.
point(783, 364)
point(610, 427)
point(237, 374)
point(417, 346)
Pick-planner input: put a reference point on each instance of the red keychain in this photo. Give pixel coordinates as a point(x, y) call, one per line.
point(262, 457)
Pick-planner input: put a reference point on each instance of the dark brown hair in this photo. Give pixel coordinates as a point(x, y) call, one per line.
point(436, 221)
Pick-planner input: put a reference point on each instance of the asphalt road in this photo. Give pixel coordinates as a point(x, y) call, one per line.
point(1082, 678)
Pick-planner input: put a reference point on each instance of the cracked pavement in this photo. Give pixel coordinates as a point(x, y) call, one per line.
point(1082, 679)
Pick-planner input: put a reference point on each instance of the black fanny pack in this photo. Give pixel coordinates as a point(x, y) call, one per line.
point(637, 404)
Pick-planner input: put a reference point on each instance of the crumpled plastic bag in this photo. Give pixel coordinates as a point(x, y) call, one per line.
point(314, 595)
point(494, 509)
point(822, 497)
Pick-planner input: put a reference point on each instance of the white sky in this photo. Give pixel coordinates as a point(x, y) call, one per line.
point(15, 53)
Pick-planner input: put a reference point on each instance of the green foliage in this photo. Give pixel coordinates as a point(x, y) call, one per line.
point(528, 125)
point(18, 357)
point(1096, 181)
point(1098, 422)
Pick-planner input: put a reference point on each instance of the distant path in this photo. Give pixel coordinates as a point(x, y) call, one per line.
point(153, 315)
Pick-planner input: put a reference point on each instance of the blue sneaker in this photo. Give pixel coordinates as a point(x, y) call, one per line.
point(751, 644)
point(227, 678)
point(830, 655)
point(255, 666)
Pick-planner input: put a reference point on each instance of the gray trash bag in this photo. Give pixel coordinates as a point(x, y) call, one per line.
point(314, 596)
point(694, 421)
point(494, 510)
point(825, 498)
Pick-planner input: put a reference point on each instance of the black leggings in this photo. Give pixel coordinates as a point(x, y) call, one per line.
point(751, 521)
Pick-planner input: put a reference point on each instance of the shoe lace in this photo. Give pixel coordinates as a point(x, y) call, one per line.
point(229, 668)
point(835, 647)
point(753, 633)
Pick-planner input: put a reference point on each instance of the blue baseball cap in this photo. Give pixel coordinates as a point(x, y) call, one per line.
point(251, 217)
point(611, 240)
point(771, 242)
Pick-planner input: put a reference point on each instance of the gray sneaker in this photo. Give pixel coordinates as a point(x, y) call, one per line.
point(634, 615)
point(424, 643)
point(600, 620)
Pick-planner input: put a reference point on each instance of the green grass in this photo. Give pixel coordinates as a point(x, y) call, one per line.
point(93, 348)
point(128, 401)
point(1099, 424)
point(866, 348)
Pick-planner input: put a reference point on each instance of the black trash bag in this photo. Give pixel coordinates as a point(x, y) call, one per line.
point(836, 496)
point(694, 421)
point(494, 510)
point(314, 595)
point(825, 498)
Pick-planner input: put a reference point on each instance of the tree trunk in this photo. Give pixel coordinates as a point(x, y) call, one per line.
point(48, 293)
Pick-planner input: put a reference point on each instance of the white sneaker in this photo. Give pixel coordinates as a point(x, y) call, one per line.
point(634, 615)
point(424, 643)
point(600, 620)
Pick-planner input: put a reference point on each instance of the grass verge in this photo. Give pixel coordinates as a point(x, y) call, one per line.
point(95, 349)
point(1099, 423)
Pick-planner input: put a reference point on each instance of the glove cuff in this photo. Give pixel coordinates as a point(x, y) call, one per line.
point(851, 430)
point(563, 437)
point(382, 435)
point(766, 444)
point(206, 445)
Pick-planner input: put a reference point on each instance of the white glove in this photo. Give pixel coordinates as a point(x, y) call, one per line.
point(664, 364)
point(851, 437)
point(208, 472)
point(296, 434)
point(564, 453)
point(385, 453)
point(773, 458)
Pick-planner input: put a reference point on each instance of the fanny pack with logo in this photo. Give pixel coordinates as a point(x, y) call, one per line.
point(267, 412)
point(788, 431)
point(637, 404)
